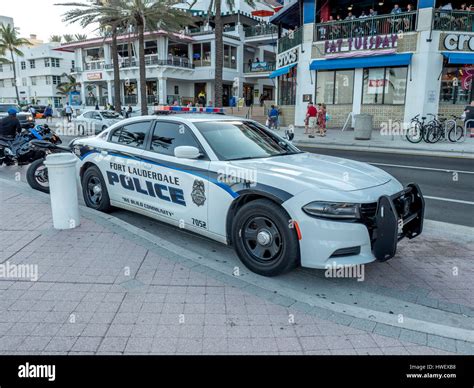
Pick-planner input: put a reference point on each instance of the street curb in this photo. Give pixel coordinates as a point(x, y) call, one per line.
point(333, 311)
point(459, 339)
point(386, 150)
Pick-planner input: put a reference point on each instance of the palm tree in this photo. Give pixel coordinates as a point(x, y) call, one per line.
point(79, 37)
point(215, 6)
point(106, 13)
point(68, 38)
point(55, 38)
point(11, 42)
point(68, 86)
point(150, 15)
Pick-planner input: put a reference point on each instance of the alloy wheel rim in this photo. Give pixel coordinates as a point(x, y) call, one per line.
point(262, 239)
point(94, 190)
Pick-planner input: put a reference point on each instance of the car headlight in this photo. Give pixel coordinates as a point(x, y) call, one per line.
point(30, 118)
point(333, 210)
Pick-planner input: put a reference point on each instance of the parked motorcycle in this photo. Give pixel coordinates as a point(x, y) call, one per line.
point(19, 151)
point(37, 173)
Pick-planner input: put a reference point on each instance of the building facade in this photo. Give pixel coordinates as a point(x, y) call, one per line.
point(39, 71)
point(180, 67)
point(393, 65)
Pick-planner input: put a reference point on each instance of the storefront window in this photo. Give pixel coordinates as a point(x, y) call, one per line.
point(151, 47)
point(335, 87)
point(230, 56)
point(206, 52)
point(202, 54)
point(385, 85)
point(456, 85)
point(287, 88)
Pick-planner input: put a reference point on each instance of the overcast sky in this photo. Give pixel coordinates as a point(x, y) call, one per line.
point(40, 17)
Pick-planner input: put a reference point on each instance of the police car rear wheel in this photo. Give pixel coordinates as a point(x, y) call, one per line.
point(263, 239)
point(95, 191)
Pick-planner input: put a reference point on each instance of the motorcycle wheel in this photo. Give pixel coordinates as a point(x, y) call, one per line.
point(37, 176)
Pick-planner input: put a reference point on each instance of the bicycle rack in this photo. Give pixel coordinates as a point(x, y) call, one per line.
point(465, 129)
point(446, 134)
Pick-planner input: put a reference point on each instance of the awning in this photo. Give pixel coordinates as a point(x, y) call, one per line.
point(357, 63)
point(459, 58)
point(288, 16)
point(282, 71)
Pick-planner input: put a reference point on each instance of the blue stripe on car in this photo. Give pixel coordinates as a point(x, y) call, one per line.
point(212, 180)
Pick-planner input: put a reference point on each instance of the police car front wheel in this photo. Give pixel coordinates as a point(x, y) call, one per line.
point(263, 238)
point(95, 191)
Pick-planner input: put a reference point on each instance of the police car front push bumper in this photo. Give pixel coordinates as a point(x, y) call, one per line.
point(398, 216)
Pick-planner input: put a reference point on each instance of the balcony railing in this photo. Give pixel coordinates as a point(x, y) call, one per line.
point(203, 30)
point(95, 65)
point(93, 101)
point(261, 30)
point(292, 39)
point(453, 20)
point(259, 67)
point(375, 25)
point(153, 60)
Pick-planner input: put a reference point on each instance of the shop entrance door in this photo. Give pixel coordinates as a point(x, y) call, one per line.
point(248, 94)
point(200, 93)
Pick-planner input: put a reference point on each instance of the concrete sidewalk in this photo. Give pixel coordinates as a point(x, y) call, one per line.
point(338, 139)
point(102, 289)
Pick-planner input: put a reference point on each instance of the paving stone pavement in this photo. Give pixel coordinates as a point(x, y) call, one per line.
point(100, 292)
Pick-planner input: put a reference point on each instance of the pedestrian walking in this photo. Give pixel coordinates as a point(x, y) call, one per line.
point(306, 122)
point(312, 117)
point(68, 112)
point(32, 110)
point(322, 119)
point(48, 114)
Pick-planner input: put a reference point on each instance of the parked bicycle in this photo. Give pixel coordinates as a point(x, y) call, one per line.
point(437, 129)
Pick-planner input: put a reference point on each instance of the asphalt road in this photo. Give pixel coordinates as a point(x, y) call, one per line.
point(446, 183)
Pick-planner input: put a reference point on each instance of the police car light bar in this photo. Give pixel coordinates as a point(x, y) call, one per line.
point(186, 109)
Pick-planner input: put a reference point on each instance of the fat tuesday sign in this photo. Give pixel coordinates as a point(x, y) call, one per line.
point(288, 57)
point(379, 42)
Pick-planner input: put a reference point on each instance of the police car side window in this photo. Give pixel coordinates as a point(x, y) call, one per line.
point(167, 136)
point(132, 135)
point(114, 138)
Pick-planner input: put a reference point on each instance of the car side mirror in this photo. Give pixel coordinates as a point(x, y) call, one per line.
point(187, 152)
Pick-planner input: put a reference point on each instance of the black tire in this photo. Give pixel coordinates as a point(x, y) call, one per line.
point(265, 219)
point(456, 134)
point(37, 176)
point(92, 181)
point(414, 133)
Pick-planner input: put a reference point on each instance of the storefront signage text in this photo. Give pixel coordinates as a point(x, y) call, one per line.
point(455, 42)
point(94, 76)
point(361, 43)
point(288, 58)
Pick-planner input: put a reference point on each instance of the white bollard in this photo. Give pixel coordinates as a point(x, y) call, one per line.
point(63, 190)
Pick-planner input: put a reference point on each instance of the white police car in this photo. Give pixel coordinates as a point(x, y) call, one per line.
point(235, 181)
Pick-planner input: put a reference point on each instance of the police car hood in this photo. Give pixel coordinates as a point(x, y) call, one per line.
point(305, 171)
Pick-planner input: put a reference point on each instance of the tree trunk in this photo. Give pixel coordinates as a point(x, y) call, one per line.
point(141, 58)
point(115, 61)
point(218, 90)
point(14, 78)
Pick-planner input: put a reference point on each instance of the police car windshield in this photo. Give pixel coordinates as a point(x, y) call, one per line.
point(237, 140)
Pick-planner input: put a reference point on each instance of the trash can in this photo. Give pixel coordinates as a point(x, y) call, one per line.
point(63, 190)
point(363, 125)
